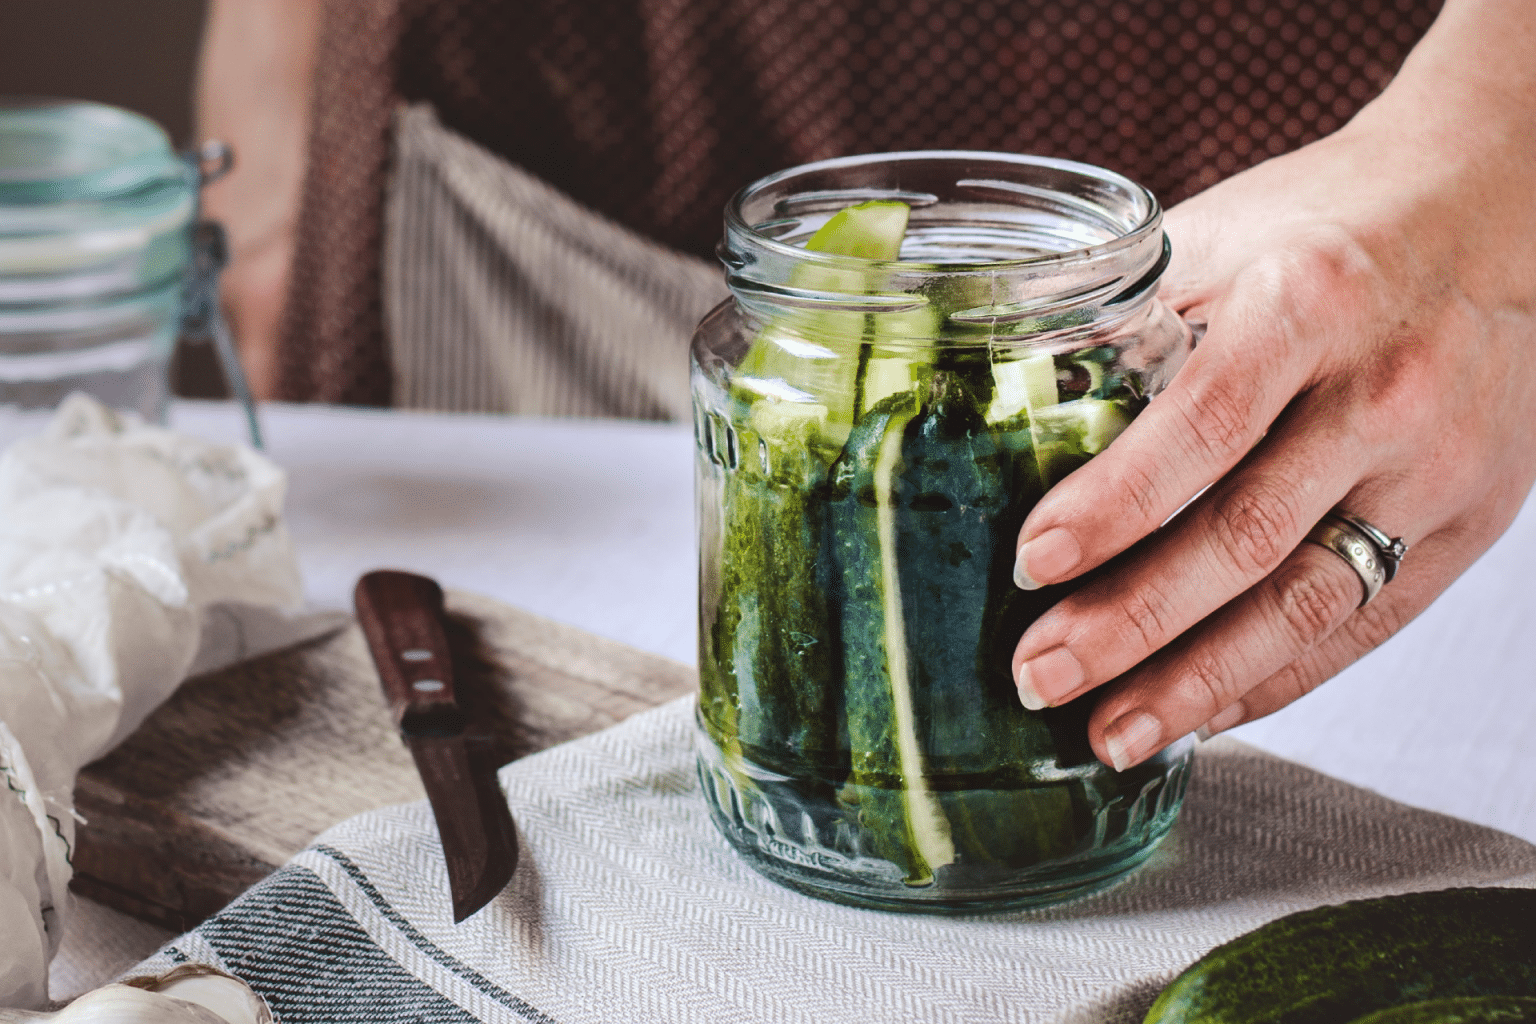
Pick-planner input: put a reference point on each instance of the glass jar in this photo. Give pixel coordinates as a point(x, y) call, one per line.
point(103, 262)
point(871, 435)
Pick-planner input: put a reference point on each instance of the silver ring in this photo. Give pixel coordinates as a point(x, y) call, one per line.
point(1370, 552)
point(1392, 549)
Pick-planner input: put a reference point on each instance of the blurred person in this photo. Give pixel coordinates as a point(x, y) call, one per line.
point(254, 91)
point(1364, 265)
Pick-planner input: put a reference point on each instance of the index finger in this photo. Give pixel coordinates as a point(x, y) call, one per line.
point(1233, 386)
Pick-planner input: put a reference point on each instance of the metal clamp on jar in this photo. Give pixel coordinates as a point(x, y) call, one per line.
point(104, 261)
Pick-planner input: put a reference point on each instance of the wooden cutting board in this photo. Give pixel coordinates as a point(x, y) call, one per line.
point(241, 768)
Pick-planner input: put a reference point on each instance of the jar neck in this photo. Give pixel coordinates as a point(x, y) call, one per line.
point(997, 245)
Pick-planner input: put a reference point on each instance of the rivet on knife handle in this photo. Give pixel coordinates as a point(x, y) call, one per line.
point(400, 614)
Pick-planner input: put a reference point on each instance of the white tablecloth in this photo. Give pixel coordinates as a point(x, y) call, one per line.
point(591, 523)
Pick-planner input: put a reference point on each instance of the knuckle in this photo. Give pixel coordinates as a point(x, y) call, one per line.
point(1137, 494)
point(1329, 269)
point(1207, 679)
point(1290, 684)
point(1312, 603)
point(1373, 625)
point(1218, 419)
point(1323, 277)
point(1149, 615)
point(1402, 396)
point(1407, 385)
point(1256, 526)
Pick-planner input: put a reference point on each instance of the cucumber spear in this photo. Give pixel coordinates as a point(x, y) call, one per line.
point(834, 357)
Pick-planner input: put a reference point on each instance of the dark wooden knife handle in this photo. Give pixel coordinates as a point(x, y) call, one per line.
point(401, 615)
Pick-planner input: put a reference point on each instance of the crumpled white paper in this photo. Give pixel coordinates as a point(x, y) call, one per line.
point(117, 542)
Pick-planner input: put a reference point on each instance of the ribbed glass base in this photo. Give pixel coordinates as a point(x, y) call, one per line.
point(814, 839)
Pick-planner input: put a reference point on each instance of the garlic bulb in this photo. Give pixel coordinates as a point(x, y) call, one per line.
point(224, 994)
point(188, 994)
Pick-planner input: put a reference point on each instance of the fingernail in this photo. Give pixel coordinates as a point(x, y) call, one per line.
point(1046, 678)
point(1132, 738)
point(1048, 557)
point(1222, 721)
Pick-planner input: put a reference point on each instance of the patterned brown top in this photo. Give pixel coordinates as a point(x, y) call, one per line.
point(654, 111)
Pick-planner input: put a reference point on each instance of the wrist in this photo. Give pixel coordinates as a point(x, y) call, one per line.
point(1469, 87)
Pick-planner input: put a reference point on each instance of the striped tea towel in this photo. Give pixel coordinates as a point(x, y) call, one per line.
point(628, 908)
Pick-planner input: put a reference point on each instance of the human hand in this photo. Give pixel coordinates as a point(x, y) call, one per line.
point(1371, 344)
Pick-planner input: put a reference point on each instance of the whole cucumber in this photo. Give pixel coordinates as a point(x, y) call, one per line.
point(1471, 1010)
point(1342, 962)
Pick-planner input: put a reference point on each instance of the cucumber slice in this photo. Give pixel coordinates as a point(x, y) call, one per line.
point(781, 364)
point(1095, 374)
point(885, 375)
point(872, 231)
point(788, 423)
point(787, 426)
point(931, 837)
point(832, 358)
point(1022, 385)
point(1092, 422)
point(1068, 434)
point(888, 785)
point(1028, 385)
point(869, 231)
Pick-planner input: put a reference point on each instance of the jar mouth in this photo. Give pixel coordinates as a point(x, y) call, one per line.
point(1030, 236)
point(1055, 210)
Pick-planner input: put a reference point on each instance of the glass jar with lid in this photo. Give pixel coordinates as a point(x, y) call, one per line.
point(103, 261)
point(917, 346)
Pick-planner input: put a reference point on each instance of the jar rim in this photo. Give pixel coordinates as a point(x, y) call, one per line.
point(89, 194)
point(1141, 216)
point(57, 150)
point(1004, 242)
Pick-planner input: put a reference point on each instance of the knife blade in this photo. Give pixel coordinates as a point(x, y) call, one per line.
point(401, 615)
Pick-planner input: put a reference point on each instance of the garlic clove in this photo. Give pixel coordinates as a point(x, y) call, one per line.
point(224, 994)
point(188, 994)
point(122, 1004)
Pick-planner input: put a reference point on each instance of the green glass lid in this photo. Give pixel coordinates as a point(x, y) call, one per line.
point(57, 151)
point(82, 184)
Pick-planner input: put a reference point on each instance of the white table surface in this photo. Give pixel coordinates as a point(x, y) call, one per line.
point(591, 523)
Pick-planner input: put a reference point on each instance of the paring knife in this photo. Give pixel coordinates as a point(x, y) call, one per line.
point(401, 615)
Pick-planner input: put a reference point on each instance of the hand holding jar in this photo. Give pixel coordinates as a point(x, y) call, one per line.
point(1371, 311)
